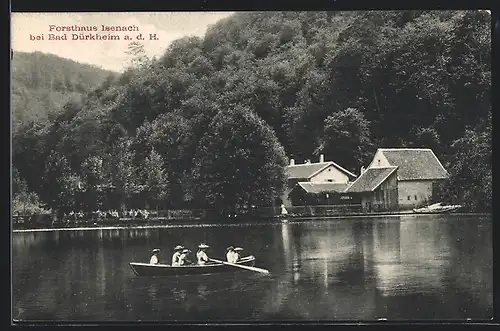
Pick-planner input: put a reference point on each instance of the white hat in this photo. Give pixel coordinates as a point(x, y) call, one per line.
point(178, 248)
point(156, 250)
point(238, 249)
point(185, 250)
point(203, 246)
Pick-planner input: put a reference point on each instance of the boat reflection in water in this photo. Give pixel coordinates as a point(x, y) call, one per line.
point(420, 267)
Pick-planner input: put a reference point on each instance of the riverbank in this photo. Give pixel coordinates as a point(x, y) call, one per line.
point(276, 220)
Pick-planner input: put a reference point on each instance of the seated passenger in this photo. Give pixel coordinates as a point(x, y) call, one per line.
point(237, 252)
point(154, 257)
point(201, 255)
point(230, 254)
point(177, 255)
point(184, 258)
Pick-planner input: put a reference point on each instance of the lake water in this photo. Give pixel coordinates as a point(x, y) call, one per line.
point(399, 268)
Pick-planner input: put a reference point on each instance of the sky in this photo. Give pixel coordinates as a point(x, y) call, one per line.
point(107, 54)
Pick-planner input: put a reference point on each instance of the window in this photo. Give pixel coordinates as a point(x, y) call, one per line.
point(409, 197)
point(329, 169)
point(330, 180)
point(415, 197)
point(378, 162)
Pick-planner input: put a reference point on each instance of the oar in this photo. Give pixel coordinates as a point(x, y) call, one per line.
point(264, 271)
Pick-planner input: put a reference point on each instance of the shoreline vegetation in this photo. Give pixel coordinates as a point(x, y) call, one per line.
point(212, 123)
point(291, 219)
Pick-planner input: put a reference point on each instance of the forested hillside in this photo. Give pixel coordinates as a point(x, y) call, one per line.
point(212, 122)
point(43, 83)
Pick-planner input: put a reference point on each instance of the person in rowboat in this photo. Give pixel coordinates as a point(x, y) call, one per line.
point(183, 258)
point(201, 255)
point(237, 252)
point(230, 254)
point(154, 257)
point(177, 255)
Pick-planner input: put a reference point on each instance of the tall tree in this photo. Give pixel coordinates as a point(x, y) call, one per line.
point(121, 179)
point(470, 182)
point(239, 162)
point(92, 173)
point(155, 181)
point(346, 139)
point(139, 58)
point(60, 184)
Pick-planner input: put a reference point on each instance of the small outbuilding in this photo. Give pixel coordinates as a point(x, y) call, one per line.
point(309, 194)
point(377, 188)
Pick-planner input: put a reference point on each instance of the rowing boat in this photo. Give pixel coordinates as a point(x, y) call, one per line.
point(437, 208)
point(152, 270)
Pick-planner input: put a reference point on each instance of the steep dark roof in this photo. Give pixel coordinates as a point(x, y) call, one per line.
point(370, 179)
point(307, 170)
point(415, 163)
point(311, 187)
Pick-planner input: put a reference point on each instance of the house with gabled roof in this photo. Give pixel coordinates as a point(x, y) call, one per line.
point(418, 173)
point(313, 175)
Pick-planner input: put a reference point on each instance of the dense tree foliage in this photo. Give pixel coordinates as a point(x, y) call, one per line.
point(239, 162)
point(473, 164)
point(260, 86)
point(346, 137)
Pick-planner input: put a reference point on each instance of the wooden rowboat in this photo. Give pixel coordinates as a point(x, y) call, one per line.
point(436, 208)
point(163, 270)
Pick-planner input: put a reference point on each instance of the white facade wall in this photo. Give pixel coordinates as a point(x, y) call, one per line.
point(379, 160)
point(331, 175)
point(414, 193)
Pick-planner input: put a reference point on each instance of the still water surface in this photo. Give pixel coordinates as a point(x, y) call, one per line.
point(399, 268)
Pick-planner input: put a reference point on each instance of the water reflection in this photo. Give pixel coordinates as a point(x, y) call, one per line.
point(405, 268)
point(179, 294)
point(323, 273)
point(409, 256)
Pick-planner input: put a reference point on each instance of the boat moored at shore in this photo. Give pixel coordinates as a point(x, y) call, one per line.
point(437, 208)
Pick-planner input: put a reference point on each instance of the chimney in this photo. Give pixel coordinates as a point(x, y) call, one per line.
point(321, 158)
point(292, 162)
point(362, 170)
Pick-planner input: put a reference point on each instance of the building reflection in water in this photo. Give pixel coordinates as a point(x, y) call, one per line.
point(336, 268)
point(322, 267)
point(290, 254)
point(408, 256)
point(328, 270)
